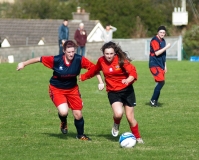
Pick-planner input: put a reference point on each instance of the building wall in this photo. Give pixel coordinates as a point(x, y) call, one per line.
point(138, 49)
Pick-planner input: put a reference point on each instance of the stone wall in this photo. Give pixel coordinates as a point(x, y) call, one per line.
point(138, 49)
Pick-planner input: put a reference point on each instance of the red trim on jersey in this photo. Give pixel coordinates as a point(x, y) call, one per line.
point(155, 45)
point(113, 74)
point(48, 61)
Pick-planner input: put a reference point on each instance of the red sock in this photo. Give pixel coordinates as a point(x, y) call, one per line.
point(117, 121)
point(135, 131)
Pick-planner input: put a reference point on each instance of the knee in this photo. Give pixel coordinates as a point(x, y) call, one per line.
point(77, 115)
point(118, 114)
point(63, 113)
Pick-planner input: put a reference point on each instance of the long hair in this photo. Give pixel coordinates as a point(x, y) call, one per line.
point(121, 54)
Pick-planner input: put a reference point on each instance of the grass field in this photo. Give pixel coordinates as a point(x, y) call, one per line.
point(29, 126)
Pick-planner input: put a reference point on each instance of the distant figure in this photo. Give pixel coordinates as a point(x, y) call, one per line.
point(63, 35)
point(107, 34)
point(157, 62)
point(81, 39)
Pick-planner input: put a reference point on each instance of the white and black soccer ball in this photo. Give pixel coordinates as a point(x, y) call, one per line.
point(127, 140)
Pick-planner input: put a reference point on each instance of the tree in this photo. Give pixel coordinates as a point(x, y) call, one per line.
point(37, 9)
point(191, 41)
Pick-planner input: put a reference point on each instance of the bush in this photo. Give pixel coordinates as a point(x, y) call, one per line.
point(191, 41)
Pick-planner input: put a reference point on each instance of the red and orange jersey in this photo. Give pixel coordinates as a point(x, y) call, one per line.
point(113, 74)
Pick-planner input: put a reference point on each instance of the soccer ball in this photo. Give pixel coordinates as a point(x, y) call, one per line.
point(127, 140)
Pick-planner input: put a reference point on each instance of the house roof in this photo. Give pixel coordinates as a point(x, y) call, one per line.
point(21, 32)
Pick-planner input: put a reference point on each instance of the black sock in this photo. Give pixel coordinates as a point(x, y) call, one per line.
point(157, 90)
point(79, 124)
point(62, 118)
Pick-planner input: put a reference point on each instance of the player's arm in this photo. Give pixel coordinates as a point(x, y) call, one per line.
point(160, 51)
point(21, 65)
point(131, 70)
point(92, 71)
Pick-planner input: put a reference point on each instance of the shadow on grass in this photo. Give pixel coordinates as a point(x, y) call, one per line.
point(159, 104)
point(109, 137)
point(60, 135)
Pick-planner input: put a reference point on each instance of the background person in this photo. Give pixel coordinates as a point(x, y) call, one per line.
point(157, 62)
point(81, 39)
point(107, 34)
point(119, 75)
point(63, 88)
point(63, 32)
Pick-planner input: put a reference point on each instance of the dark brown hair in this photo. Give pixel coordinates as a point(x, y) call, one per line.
point(69, 44)
point(121, 54)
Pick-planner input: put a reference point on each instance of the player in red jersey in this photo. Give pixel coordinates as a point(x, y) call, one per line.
point(119, 75)
point(63, 88)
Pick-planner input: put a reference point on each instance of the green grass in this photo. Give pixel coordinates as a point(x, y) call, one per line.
point(29, 126)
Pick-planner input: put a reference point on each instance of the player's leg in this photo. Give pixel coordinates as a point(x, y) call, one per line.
point(76, 104)
point(59, 100)
point(133, 123)
point(117, 108)
point(158, 75)
point(63, 113)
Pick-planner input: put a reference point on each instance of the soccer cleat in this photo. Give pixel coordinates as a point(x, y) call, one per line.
point(115, 130)
point(64, 128)
point(153, 103)
point(83, 137)
point(140, 140)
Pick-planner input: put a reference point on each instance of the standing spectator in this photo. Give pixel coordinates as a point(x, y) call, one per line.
point(81, 39)
point(63, 88)
point(119, 75)
point(157, 62)
point(107, 34)
point(63, 34)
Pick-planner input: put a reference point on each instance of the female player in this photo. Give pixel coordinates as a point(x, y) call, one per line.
point(63, 88)
point(157, 62)
point(119, 75)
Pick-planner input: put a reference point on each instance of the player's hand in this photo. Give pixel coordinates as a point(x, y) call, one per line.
point(101, 86)
point(80, 78)
point(168, 45)
point(125, 81)
point(20, 66)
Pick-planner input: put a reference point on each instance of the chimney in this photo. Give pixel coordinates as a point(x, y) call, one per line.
point(81, 15)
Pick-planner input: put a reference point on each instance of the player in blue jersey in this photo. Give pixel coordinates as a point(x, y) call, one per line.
point(63, 88)
point(157, 62)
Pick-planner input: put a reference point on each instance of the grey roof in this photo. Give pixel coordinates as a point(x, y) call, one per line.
point(21, 32)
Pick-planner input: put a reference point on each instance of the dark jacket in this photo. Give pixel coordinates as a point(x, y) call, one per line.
point(80, 37)
point(63, 32)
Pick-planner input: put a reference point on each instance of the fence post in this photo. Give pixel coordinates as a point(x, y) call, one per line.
point(180, 48)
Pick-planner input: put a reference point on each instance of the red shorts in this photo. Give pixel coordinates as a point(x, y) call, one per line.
point(158, 73)
point(70, 96)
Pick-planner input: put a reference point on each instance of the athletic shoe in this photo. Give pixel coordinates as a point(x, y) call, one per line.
point(153, 103)
point(64, 128)
point(83, 137)
point(115, 129)
point(140, 141)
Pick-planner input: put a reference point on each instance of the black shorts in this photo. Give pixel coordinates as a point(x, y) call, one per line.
point(125, 96)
